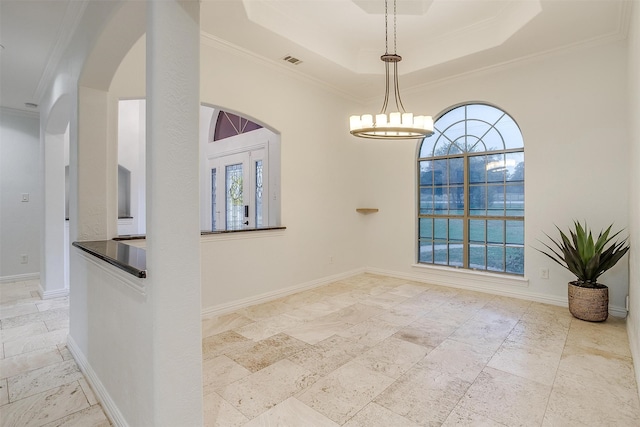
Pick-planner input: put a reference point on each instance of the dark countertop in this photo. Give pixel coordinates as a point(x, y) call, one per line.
point(128, 258)
point(132, 259)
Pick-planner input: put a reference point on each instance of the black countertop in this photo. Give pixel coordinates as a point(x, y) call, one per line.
point(132, 259)
point(128, 258)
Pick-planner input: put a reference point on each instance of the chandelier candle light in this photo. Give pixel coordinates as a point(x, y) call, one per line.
point(398, 124)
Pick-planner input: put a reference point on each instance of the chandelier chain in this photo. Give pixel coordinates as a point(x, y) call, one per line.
point(394, 27)
point(386, 28)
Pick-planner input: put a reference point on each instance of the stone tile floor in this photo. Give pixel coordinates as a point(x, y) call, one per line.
point(378, 351)
point(364, 351)
point(40, 383)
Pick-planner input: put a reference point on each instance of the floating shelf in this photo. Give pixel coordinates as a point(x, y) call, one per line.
point(367, 211)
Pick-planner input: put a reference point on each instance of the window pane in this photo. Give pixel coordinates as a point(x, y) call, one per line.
point(426, 173)
point(426, 149)
point(456, 200)
point(515, 200)
point(439, 172)
point(426, 252)
point(234, 199)
point(477, 230)
point(440, 253)
point(495, 258)
point(476, 257)
point(477, 200)
point(496, 168)
point(478, 169)
point(477, 128)
point(495, 231)
point(515, 232)
point(440, 229)
point(510, 132)
point(426, 200)
point(515, 167)
point(495, 206)
point(426, 228)
point(456, 147)
point(455, 255)
point(486, 112)
point(493, 141)
point(456, 171)
point(455, 230)
point(455, 133)
point(515, 259)
point(447, 119)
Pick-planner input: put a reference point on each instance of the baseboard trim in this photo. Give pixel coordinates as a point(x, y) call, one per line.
point(20, 277)
point(108, 405)
point(52, 294)
point(229, 307)
point(520, 292)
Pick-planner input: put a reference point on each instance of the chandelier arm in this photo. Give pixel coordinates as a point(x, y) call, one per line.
point(386, 89)
point(396, 85)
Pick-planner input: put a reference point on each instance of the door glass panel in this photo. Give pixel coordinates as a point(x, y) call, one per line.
point(234, 196)
point(214, 205)
point(259, 193)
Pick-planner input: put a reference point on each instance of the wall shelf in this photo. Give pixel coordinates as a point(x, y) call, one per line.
point(367, 211)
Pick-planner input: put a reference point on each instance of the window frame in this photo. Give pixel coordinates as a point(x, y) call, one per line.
point(466, 217)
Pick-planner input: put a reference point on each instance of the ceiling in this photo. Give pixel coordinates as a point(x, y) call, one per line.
point(339, 42)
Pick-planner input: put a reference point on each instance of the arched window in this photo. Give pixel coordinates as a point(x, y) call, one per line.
point(471, 197)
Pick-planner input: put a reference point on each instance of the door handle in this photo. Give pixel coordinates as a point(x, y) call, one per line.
point(246, 211)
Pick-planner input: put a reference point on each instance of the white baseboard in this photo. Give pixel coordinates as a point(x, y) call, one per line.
point(20, 277)
point(52, 294)
point(229, 307)
point(108, 405)
point(519, 290)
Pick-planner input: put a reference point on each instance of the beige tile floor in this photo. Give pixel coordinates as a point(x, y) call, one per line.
point(378, 351)
point(40, 383)
point(364, 351)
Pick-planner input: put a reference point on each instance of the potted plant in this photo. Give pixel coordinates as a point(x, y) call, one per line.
point(587, 259)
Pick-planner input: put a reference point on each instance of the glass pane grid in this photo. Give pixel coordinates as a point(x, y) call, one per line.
point(473, 200)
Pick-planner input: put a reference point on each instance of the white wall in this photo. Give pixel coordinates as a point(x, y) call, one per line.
point(320, 177)
point(573, 115)
point(633, 321)
point(20, 222)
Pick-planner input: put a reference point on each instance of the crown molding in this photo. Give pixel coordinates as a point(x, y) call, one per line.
point(20, 113)
point(70, 22)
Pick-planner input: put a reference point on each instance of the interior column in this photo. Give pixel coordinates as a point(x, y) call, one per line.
point(173, 224)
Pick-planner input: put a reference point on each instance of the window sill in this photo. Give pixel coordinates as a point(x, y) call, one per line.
point(460, 277)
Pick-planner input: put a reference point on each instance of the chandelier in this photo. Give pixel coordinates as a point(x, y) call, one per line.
point(398, 124)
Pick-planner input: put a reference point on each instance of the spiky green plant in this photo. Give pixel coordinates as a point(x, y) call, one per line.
point(585, 258)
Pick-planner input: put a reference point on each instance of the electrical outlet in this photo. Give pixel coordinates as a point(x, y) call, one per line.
point(330, 259)
point(544, 273)
point(25, 197)
point(24, 259)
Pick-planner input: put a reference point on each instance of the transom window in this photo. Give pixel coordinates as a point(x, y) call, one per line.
point(471, 191)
